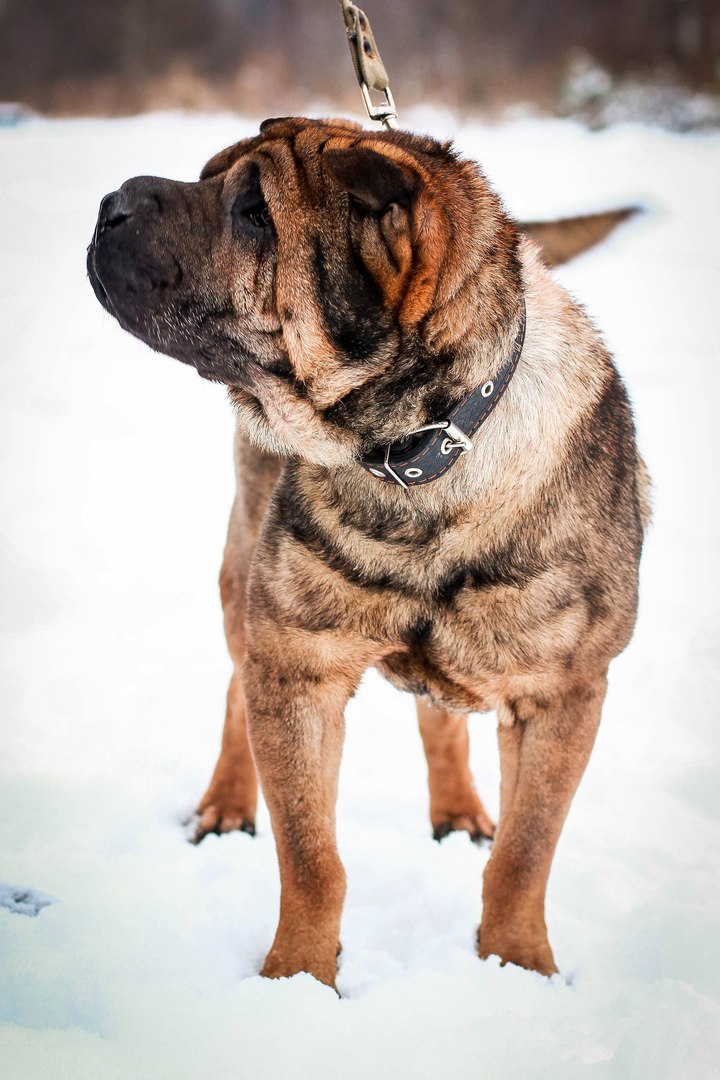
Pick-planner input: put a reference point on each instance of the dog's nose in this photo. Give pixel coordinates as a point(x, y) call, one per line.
point(112, 212)
point(141, 195)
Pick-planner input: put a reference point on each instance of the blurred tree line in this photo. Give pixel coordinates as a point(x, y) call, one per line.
point(120, 55)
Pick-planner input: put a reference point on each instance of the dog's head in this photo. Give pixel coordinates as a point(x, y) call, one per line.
point(344, 284)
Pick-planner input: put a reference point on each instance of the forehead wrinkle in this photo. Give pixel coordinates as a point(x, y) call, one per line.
point(257, 157)
point(307, 167)
point(289, 170)
point(264, 152)
point(225, 159)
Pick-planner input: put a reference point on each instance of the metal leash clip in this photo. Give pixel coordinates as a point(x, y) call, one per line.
point(369, 68)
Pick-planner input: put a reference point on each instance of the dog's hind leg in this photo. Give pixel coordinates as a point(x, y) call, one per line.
point(543, 752)
point(454, 802)
point(231, 798)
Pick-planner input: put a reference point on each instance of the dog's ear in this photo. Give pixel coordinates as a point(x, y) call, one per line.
point(386, 190)
point(374, 179)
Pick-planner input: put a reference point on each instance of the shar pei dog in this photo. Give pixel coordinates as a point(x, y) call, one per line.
point(436, 476)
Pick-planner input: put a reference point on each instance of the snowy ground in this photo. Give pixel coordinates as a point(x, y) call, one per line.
point(116, 485)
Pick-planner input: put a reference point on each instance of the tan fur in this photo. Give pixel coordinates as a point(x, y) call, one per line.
point(390, 287)
point(454, 802)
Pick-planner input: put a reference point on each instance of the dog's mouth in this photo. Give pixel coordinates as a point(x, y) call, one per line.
point(124, 283)
point(105, 221)
point(140, 282)
point(97, 285)
point(134, 268)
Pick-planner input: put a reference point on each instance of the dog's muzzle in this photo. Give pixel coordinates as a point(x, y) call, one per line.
point(129, 258)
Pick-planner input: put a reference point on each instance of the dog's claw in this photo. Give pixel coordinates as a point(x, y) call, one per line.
point(479, 827)
point(211, 822)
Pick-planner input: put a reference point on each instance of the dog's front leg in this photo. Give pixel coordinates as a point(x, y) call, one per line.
point(544, 747)
point(297, 686)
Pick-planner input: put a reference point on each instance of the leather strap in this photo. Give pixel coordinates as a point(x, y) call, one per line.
point(428, 453)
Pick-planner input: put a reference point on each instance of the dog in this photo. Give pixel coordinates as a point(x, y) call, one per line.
point(437, 476)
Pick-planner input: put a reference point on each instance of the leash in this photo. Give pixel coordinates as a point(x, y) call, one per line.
point(369, 68)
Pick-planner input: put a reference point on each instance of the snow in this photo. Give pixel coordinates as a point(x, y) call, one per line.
point(22, 901)
point(117, 481)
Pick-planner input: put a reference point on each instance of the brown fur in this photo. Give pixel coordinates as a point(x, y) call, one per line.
point(562, 240)
point(348, 287)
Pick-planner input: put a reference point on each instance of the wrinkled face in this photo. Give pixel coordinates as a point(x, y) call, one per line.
point(310, 269)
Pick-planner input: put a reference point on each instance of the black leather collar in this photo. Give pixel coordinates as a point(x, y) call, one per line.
point(429, 451)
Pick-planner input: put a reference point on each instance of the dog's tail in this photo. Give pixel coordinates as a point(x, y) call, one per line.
point(566, 238)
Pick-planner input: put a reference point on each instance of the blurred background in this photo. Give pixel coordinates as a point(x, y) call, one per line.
point(649, 60)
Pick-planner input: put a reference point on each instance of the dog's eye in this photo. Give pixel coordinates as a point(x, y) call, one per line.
point(250, 216)
point(259, 216)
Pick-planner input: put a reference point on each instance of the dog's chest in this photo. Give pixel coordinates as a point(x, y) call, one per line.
point(447, 615)
point(418, 671)
point(466, 654)
point(462, 655)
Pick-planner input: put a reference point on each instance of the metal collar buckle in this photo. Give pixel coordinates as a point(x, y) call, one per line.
point(455, 439)
point(427, 459)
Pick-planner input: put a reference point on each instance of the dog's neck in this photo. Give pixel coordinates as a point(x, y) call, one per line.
point(430, 451)
point(553, 385)
point(561, 375)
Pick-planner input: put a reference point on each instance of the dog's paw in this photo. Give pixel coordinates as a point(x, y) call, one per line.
point(478, 825)
point(279, 966)
point(532, 953)
point(539, 960)
point(214, 819)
